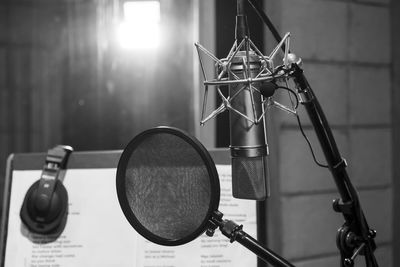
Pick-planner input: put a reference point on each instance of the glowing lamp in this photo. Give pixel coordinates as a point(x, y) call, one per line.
point(140, 28)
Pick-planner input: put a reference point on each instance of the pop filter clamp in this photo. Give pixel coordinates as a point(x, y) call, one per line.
point(234, 232)
point(354, 237)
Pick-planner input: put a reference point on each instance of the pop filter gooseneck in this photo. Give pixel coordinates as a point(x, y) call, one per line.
point(168, 189)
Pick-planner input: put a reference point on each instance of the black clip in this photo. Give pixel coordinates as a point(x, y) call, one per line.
point(341, 165)
point(345, 208)
point(214, 223)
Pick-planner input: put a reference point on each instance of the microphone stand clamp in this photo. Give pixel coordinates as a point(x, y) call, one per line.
point(350, 244)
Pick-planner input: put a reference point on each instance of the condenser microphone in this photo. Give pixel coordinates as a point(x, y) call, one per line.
point(247, 137)
point(248, 142)
point(251, 78)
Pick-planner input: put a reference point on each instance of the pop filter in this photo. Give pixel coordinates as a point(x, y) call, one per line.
point(167, 186)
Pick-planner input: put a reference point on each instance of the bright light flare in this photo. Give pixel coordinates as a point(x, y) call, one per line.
point(140, 28)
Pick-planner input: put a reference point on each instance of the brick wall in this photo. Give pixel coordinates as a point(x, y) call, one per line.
point(346, 50)
point(395, 24)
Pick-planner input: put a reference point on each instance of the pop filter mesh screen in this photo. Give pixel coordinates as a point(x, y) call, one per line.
point(167, 186)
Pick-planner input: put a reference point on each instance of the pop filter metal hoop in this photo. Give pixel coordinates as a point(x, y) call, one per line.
point(170, 138)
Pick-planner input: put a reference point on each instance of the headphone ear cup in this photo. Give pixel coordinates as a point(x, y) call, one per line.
point(51, 220)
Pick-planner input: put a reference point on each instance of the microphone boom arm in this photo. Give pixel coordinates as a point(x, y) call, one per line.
point(354, 237)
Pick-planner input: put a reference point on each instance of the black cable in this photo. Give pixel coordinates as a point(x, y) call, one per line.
point(309, 143)
point(291, 91)
point(290, 97)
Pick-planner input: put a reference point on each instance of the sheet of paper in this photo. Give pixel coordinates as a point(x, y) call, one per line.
point(97, 233)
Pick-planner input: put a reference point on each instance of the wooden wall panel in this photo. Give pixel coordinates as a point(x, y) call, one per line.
point(65, 79)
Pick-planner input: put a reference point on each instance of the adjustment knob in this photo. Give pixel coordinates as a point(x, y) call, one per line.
point(348, 262)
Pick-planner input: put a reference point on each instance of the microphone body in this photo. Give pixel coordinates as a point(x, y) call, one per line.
point(248, 141)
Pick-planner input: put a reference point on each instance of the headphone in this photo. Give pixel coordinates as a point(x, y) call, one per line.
point(45, 207)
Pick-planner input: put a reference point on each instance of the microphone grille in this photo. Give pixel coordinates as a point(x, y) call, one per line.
point(249, 177)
